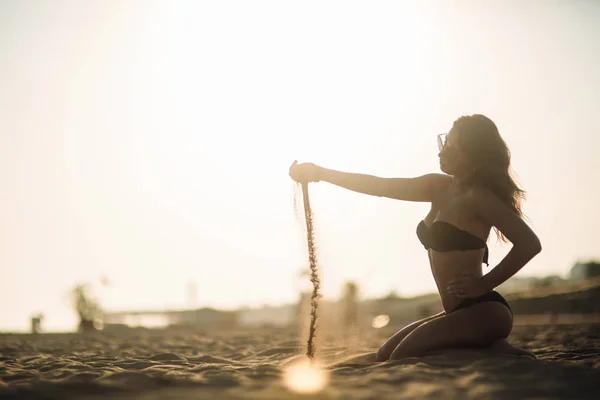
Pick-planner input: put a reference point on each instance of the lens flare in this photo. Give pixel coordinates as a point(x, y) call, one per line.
point(380, 321)
point(305, 377)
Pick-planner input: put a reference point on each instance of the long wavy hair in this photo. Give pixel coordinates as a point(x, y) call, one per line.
point(487, 161)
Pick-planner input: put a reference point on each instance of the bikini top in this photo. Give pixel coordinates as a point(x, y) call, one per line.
point(443, 236)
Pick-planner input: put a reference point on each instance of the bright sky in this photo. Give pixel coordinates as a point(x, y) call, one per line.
point(149, 142)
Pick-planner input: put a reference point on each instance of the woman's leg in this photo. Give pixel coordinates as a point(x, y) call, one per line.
point(388, 347)
point(479, 325)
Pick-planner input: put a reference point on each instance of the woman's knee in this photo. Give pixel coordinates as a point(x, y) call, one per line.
point(385, 351)
point(383, 354)
point(394, 347)
point(406, 349)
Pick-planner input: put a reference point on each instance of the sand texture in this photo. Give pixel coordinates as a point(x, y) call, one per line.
point(250, 364)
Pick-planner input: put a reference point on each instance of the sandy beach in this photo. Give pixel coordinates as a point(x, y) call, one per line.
point(184, 364)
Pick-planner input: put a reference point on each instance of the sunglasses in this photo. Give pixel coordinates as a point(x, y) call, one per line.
point(441, 141)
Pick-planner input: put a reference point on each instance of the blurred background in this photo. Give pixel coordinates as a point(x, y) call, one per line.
point(145, 146)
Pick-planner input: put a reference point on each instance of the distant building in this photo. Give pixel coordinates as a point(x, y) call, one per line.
point(36, 323)
point(581, 270)
point(203, 317)
point(268, 315)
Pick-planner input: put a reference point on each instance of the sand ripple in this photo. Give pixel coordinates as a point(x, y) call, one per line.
point(174, 364)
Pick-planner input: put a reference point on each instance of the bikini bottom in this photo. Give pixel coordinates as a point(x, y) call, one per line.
point(489, 296)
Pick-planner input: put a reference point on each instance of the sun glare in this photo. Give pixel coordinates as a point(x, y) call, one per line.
point(380, 321)
point(305, 377)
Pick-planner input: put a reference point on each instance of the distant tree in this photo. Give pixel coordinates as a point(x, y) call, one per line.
point(392, 295)
point(87, 308)
point(350, 304)
point(350, 313)
point(593, 269)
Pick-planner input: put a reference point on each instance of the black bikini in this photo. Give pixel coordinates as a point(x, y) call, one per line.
point(443, 237)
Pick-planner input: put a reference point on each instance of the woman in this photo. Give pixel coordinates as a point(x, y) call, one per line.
point(476, 194)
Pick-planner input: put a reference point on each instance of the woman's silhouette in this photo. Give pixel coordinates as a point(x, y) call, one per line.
point(475, 194)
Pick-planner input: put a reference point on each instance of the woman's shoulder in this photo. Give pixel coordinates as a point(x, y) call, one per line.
point(439, 182)
point(479, 195)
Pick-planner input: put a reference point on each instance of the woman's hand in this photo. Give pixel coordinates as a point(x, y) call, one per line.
point(467, 286)
point(305, 172)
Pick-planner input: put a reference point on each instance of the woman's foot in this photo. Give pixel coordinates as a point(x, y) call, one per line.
point(503, 347)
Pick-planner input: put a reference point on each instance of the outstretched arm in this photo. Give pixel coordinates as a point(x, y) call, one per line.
point(423, 188)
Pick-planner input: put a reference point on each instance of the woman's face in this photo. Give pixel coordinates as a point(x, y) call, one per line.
point(450, 160)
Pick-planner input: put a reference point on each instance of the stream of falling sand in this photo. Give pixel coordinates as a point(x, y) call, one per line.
point(306, 375)
point(314, 273)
